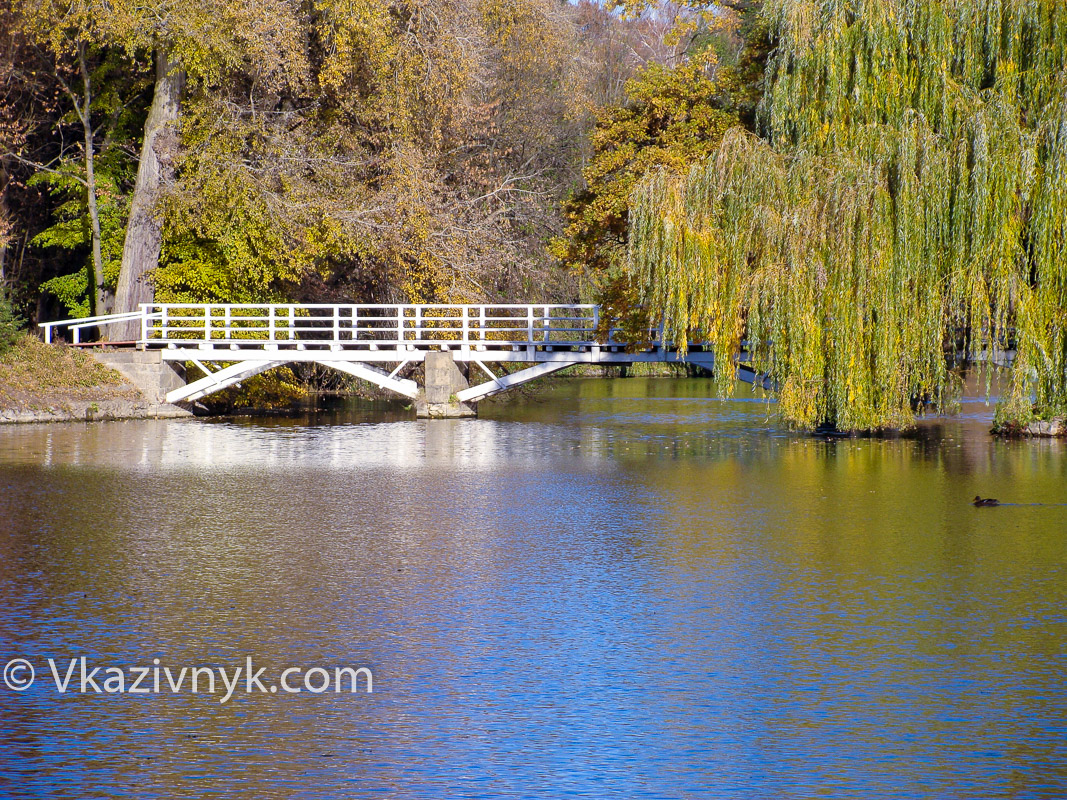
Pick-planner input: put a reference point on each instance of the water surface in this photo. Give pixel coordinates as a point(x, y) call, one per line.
point(611, 589)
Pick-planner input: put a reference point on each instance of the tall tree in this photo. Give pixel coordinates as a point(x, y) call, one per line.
point(202, 40)
point(904, 215)
point(144, 233)
point(67, 32)
point(83, 108)
point(672, 115)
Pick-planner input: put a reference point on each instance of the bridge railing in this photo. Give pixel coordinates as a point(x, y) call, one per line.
point(382, 325)
point(76, 326)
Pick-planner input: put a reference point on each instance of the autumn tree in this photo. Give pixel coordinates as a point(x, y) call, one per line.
point(63, 41)
point(901, 218)
point(676, 108)
point(672, 117)
point(202, 41)
point(335, 150)
point(417, 162)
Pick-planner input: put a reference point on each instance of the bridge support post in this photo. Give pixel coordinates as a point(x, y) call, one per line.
point(443, 382)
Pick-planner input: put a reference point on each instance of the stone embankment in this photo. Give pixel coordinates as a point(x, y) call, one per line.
point(93, 411)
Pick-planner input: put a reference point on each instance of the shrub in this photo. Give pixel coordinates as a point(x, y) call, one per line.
point(10, 323)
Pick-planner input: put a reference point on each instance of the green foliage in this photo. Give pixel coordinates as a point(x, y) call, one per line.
point(195, 270)
point(841, 66)
point(116, 113)
point(10, 323)
point(672, 117)
point(72, 291)
point(910, 205)
point(71, 231)
point(746, 74)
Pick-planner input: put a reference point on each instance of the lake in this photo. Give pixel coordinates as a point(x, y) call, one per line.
point(611, 588)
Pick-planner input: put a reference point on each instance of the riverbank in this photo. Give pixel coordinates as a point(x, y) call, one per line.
point(57, 383)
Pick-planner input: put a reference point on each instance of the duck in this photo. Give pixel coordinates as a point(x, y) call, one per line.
point(985, 501)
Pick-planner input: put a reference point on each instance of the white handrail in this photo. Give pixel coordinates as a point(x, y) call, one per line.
point(466, 326)
point(88, 322)
point(371, 324)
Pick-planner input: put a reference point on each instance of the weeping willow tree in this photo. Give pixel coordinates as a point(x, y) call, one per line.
point(903, 213)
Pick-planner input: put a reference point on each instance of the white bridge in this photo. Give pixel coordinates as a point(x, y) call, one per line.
point(232, 342)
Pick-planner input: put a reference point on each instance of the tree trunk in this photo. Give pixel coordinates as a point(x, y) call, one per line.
point(4, 229)
point(100, 296)
point(144, 235)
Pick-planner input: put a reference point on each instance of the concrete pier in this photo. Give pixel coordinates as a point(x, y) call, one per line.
point(444, 380)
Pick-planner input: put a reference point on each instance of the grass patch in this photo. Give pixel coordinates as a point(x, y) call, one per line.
point(33, 373)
